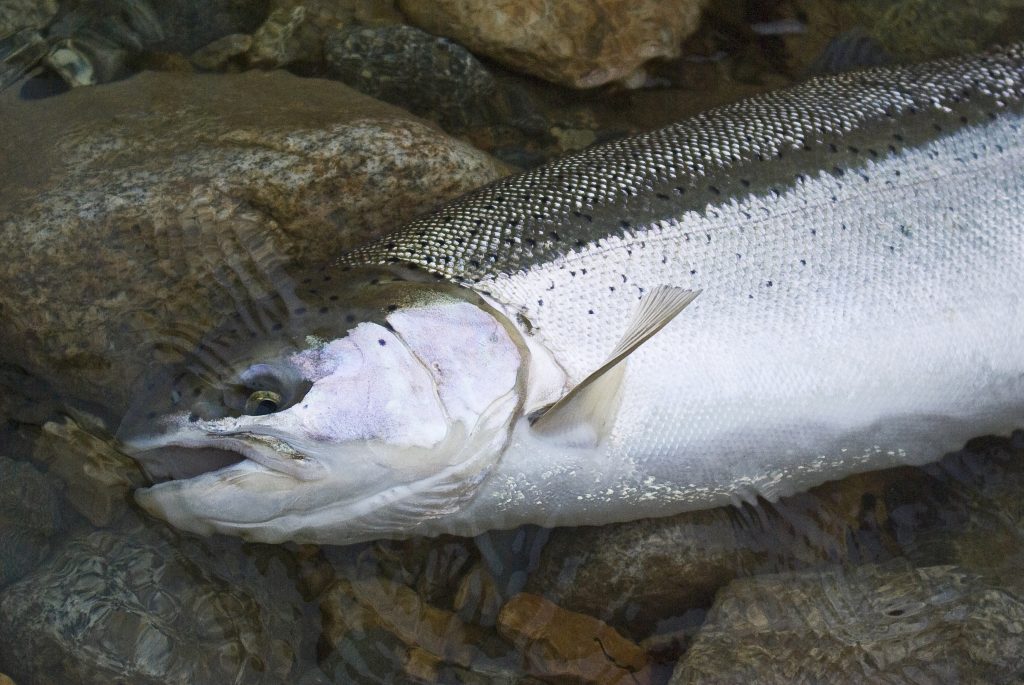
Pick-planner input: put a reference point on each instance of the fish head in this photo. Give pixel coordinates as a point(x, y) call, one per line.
point(365, 413)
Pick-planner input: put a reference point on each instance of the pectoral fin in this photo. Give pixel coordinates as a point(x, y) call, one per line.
point(581, 417)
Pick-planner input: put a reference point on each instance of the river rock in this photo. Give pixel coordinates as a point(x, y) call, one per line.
point(430, 76)
point(561, 644)
point(129, 606)
point(869, 624)
point(577, 44)
point(148, 208)
point(97, 476)
point(25, 14)
point(380, 630)
point(30, 517)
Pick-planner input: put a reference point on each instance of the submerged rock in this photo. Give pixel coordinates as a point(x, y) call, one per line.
point(142, 211)
point(431, 77)
point(129, 607)
point(379, 630)
point(30, 517)
point(869, 624)
point(98, 477)
point(578, 44)
point(556, 643)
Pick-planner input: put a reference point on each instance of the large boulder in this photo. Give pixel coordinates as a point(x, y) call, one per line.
point(577, 44)
point(135, 606)
point(146, 209)
point(869, 624)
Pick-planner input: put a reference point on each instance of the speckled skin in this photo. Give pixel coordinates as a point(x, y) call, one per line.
point(858, 240)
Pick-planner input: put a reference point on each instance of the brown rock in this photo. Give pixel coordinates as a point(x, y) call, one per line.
point(578, 44)
point(143, 210)
point(868, 624)
point(563, 644)
point(98, 477)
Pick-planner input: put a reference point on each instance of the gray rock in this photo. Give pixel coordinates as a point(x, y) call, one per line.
point(869, 624)
point(131, 607)
point(430, 76)
point(137, 213)
point(30, 517)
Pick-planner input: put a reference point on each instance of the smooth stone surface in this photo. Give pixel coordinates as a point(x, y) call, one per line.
point(129, 606)
point(577, 44)
point(30, 517)
point(870, 624)
point(143, 211)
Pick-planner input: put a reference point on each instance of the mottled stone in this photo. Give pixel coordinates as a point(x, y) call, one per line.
point(868, 624)
point(30, 517)
point(129, 607)
point(578, 44)
point(98, 477)
point(222, 51)
point(140, 212)
point(556, 643)
point(25, 14)
point(376, 627)
point(430, 76)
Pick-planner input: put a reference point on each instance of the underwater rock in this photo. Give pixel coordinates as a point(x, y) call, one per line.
point(379, 629)
point(99, 42)
point(868, 624)
point(577, 44)
point(129, 607)
point(25, 14)
point(556, 643)
point(430, 76)
point(98, 477)
point(30, 516)
point(222, 51)
point(141, 212)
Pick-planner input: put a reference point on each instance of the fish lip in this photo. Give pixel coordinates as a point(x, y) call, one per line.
point(268, 451)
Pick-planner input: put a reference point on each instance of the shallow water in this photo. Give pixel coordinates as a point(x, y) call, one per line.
point(145, 209)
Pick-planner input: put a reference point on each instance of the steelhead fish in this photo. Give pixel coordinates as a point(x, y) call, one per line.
point(801, 285)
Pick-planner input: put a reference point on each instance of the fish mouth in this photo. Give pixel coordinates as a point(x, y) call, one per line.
point(190, 454)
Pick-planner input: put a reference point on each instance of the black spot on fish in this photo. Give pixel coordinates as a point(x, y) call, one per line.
point(381, 342)
point(276, 327)
point(333, 298)
point(590, 311)
point(350, 318)
point(300, 311)
point(323, 310)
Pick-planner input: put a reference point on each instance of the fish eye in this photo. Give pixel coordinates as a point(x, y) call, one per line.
point(262, 402)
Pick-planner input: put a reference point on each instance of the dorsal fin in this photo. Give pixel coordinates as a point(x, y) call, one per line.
point(582, 414)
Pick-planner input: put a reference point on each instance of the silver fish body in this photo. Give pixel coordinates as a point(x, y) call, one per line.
point(858, 243)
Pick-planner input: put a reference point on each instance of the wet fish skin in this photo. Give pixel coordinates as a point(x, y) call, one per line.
point(857, 242)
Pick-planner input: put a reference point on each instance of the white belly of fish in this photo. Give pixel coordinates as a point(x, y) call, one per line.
point(852, 323)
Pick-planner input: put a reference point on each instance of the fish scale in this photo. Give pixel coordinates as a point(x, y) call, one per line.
point(858, 240)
